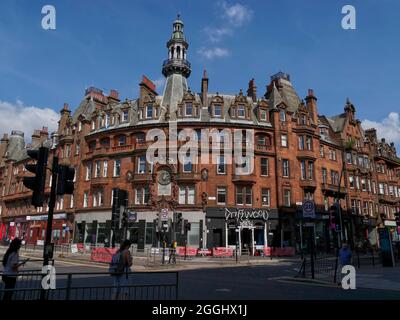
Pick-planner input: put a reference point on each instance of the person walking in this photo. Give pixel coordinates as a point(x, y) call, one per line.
point(345, 255)
point(120, 267)
point(172, 253)
point(10, 268)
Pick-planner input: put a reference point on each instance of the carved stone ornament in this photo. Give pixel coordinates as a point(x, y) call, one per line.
point(129, 176)
point(204, 174)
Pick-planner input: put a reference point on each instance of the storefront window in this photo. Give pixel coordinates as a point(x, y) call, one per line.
point(102, 233)
point(194, 234)
point(259, 234)
point(232, 234)
point(133, 232)
point(149, 232)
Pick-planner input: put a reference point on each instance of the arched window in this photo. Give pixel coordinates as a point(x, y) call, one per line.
point(178, 52)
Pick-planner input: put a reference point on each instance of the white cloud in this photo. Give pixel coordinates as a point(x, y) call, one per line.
point(211, 53)
point(236, 14)
point(217, 34)
point(388, 128)
point(231, 17)
point(17, 116)
point(159, 83)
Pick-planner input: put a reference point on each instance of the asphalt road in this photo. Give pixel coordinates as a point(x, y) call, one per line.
point(229, 283)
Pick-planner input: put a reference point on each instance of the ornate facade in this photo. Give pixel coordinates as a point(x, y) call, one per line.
point(298, 154)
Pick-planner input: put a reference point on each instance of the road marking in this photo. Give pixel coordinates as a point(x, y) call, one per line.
point(223, 290)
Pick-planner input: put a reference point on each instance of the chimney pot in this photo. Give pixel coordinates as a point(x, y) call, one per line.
point(66, 106)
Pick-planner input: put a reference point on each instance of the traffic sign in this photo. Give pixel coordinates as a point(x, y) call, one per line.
point(164, 215)
point(132, 216)
point(308, 209)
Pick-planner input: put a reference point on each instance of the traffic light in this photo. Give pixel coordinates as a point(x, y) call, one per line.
point(187, 226)
point(335, 216)
point(65, 183)
point(119, 206)
point(125, 218)
point(37, 183)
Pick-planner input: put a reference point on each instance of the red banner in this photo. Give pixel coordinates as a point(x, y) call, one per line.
point(222, 252)
point(102, 254)
point(190, 251)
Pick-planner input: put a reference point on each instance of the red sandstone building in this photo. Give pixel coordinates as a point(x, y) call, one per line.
point(298, 154)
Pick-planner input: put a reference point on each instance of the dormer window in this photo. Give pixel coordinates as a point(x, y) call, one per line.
point(125, 116)
point(188, 109)
point(107, 120)
point(282, 115)
point(149, 112)
point(263, 115)
point(217, 111)
point(241, 112)
point(303, 120)
point(93, 124)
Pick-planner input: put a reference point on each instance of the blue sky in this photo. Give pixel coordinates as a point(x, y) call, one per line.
point(111, 44)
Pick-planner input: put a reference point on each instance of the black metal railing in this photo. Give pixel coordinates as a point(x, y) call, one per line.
point(98, 286)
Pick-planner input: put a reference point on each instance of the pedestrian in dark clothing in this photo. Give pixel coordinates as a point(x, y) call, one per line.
point(345, 255)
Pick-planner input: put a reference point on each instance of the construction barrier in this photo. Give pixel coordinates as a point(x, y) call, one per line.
point(222, 252)
point(102, 254)
point(190, 251)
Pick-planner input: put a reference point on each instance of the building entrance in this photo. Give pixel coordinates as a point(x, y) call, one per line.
point(246, 240)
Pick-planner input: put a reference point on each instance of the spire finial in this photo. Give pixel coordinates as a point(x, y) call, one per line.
point(178, 15)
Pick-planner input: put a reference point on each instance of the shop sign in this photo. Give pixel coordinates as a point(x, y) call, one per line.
point(246, 214)
point(164, 215)
point(389, 223)
point(12, 224)
point(246, 224)
point(74, 248)
point(308, 209)
point(57, 216)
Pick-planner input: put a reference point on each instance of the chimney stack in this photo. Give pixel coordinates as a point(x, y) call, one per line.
point(44, 134)
point(204, 88)
point(311, 103)
point(252, 90)
point(36, 137)
point(114, 95)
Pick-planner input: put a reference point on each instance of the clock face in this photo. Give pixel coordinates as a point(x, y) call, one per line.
point(164, 177)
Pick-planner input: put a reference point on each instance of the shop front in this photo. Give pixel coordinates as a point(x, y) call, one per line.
point(248, 230)
point(325, 237)
point(36, 229)
point(393, 230)
point(95, 228)
point(13, 228)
